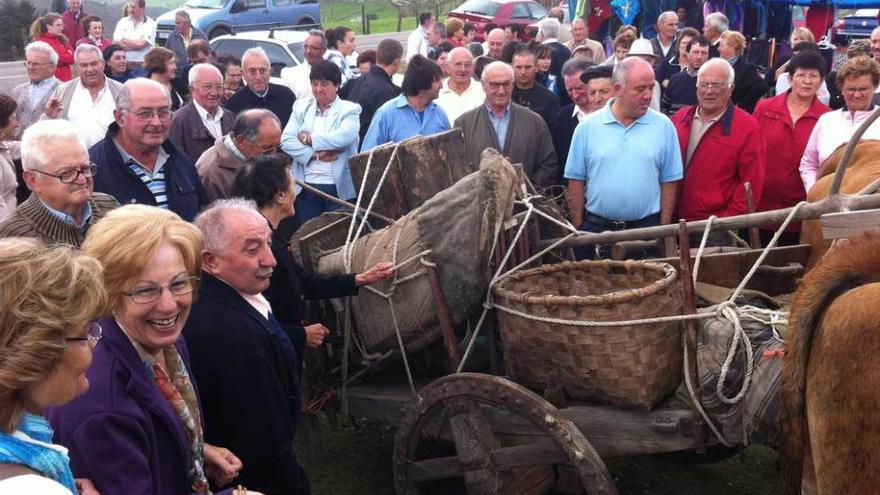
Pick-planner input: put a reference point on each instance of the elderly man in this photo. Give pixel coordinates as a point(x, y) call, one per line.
point(548, 34)
point(374, 88)
point(664, 42)
point(73, 17)
point(436, 36)
point(460, 92)
point(259, 92)
point(625, 163)
point(89, 100)
point(32, 96)
point(527, 93)
point(412, 113)
point(196, 126)
point(682, 88)
point(62, 206)
point(136, 33)
point(722, 149)
point(517, 132)
point(579, 37)
point(297, 77)
point(716, 23)
point(677, 63)
point(254, 132)
point(495, 42)
point(137, 161)
point(417, 43)
point(184, 33)
point(577, 74)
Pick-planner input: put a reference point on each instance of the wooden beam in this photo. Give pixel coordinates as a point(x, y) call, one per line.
point(850, 223)
point(544, 452)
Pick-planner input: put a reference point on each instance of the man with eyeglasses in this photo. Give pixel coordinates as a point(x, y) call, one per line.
point(196, 126)
point(297, 77)
point(138, 163)
point(62, 206)
point(32, 96)
point(722, 149)
point(259, 92)
point(517, 132)
point(254, 132)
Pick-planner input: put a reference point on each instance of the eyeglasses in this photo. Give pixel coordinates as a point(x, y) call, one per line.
point(272, 148)
point(70, 175)
point(806, 76)
point(147, 114)
point(179, 287)
point(853, 91)
point(494, 86)
point(209, 87)
point(93, 335)
point(710, 86)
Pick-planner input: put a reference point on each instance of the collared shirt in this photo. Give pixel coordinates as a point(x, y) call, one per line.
point(396, 120)
point(319, 171)
point(258, 302)
point(64, 217)
point(500, 124)
point(580, 114)
point(230, 144)
point(259, 95)
point(624, 166)
point(699, 126)
point(91, 118)
point(155, 179)
point(297, 79)
point(126, 29)
point(663, 47)
point(455, 104)
point(212, 123)
point(38, 90)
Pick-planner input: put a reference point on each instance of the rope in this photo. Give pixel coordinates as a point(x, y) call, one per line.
point(703, 242)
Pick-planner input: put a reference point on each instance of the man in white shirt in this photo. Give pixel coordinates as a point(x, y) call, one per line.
point(459, 92)
point(89, 100)
point(297, 78)
point(136, 33)
point(417, 43)
point(196, 126)
point(32, 96)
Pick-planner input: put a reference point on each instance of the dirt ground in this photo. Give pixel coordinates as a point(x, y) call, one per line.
point(357, 460)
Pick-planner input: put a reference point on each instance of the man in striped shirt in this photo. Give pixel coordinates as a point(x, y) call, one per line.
point(137, 162)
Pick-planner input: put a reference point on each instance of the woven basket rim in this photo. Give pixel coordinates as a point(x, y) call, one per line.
point(670, 274)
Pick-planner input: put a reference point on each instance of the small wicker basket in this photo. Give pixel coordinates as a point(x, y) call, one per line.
point(628, 366)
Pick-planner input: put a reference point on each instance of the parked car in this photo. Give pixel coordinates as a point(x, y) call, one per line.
point(856, 25)
point(284, 47)
point(498, 13)
point(219, 17)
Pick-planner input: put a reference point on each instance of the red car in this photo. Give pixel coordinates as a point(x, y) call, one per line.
point(498, 13)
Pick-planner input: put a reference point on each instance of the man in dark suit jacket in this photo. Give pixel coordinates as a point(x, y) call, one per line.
point(259, 92)
point(528, 93)
point(196, 126)
point(577, 74)
point(374, 88)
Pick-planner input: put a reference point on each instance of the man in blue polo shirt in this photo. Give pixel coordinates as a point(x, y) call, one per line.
point(414, 112)
point(624, 163)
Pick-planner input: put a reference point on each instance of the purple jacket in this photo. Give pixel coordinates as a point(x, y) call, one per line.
point(122, 433)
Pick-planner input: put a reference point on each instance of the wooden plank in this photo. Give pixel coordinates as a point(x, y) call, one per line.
point(690, 328)
point(849, 224)
point(544, 452)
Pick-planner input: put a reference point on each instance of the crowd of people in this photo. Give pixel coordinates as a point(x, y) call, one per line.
point(153, 175)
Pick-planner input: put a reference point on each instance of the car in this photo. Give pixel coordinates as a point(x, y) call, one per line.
point(498, 13)
point(220, 17)
point(856, 25)
point(284, 46)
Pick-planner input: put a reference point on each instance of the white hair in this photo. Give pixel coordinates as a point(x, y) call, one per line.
point(87, 47)
point(459, 50)
point(42, 46)
point(718, 21)
point(214, 221)
point(45, 135)
point(549, 27)
point(716, 62)
point(498, 65)
point(255, 52)
point(197, 69)
point(668, 13)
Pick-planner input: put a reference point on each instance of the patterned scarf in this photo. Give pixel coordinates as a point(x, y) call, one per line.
point(35, 452)
point(177, 388)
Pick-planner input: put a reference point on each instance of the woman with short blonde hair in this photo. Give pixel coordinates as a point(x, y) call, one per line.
point(748, 85)
point(48, 297)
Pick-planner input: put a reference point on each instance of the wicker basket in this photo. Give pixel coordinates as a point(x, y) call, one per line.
point(629, 366)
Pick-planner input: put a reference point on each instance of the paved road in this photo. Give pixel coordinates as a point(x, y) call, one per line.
point(13, 73)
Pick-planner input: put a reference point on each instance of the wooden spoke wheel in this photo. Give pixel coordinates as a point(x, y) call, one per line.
point(483, 434)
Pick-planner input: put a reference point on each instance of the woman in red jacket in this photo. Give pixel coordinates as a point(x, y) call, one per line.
point(786, 122)
point(50, 28)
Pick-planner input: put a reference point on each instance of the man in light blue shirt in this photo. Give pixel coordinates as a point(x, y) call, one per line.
point(414, 112)
point(624, 164)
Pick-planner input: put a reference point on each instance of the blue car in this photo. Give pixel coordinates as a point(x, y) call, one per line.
point(857, 25)
point(219, 17)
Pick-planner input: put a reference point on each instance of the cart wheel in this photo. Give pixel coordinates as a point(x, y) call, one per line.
point(484, 434)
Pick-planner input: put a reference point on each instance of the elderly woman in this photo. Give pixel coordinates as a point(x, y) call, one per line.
point(857, 80)
point(786, 122)
point(783, 81)
point(139, 429)
point(857, 48)
point(622, 43)
point(93, 26)
point(320, 136)
point(340, 45)
point(748, 85)
point(10, 149)
point(48, 298)
point(161, 67)
point(50, 28)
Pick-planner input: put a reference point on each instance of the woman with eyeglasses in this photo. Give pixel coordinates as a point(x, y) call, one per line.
point(786, 122)
point(48, 299)
point(138, 431)
point(857, 80)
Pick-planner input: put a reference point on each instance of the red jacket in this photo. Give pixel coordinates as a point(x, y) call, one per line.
point(65, 56)
point(784, 145)
point(73, 28)
point(730, 153)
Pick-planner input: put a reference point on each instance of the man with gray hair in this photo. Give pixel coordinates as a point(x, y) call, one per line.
point(548, 34)
point(624, 163)
point(32, 96)
point(87, 101)
point(715, 24)
point(137, 161)
point(179, 39)
point(259, 92)
point(664, 43)
point(297, 77)
point(196, 126)
point(254, 132)
point(57, 170)
point(460, 92)
point(580, 37)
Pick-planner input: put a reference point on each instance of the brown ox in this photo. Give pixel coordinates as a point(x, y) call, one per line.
point(830, 391)
point(864, 168)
